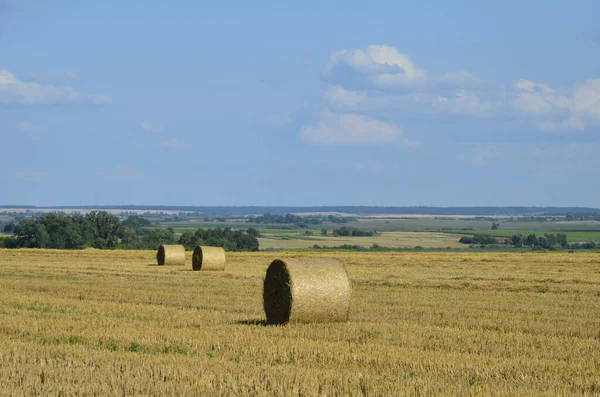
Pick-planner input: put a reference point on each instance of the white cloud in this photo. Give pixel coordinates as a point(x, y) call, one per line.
point(14, 91)
point(380, 71)
point(386, 55)
point(571, 109)
point(151, 127)
point(586, 99)
point(381, 80)
point(279, 120)
point(385, 65)
point(352, 129)
point(27, 126)
point(463, 102)
point(340, 97)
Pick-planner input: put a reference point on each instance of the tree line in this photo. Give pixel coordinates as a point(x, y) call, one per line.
point(352, 232)
point(518, 240)
point(99, 229)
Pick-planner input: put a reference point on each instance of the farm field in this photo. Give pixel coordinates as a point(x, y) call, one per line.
point(111, 322)
point(386, 239)
point(408, 224)
point(572, 236)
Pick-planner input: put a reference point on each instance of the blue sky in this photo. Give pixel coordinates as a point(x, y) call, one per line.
point(312, 103)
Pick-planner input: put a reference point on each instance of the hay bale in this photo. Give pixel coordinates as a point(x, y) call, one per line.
point(208, 258)
point(171, 255)
point(306, 291)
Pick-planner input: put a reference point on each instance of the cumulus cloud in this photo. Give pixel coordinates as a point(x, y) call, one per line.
point(150, 127)
point(463, 102)
point(27, 126)
point(16, 92)
point(351, 129)
point(380, 82)
point(340, 97)
point(568, 109)
point(383, 64)
point(383, 78)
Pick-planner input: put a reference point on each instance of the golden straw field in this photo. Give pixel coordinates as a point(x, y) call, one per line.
point(112, 322)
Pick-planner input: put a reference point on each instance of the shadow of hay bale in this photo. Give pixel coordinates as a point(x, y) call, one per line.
point(262, 323)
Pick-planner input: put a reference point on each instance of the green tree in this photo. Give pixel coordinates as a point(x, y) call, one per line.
point(135, 222)
point(154, 238)
point(253, 232)
point(543, 242)
point(561, 239)
point(189, 240)
point(552, 240)
point(9, 228)
point(531, 240)
point(33, 234)
point(127, 236)
point(517, 240)
point(105, 228)
point(323, 232)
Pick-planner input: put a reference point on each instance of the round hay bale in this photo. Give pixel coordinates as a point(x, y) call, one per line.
point(306, 291)
point(208, 258)
point(171, 255)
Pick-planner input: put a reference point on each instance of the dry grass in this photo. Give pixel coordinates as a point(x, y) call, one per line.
point(111, 322)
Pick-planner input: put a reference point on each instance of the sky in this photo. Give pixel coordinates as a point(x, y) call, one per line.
point(380, 103)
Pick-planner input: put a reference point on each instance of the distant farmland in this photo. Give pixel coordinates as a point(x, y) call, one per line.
point(387, 239)
point(572, 236)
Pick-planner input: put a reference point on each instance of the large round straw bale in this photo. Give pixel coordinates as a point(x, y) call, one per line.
point(208, 258)
point(306, 291)
point(171, 255)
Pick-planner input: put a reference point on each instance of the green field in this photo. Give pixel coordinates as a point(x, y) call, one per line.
point(400, 232)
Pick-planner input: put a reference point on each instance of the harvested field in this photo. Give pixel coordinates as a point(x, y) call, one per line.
point(112, 322)
point(295, 240)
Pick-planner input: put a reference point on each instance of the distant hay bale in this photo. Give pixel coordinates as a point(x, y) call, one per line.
point(306, 291)
point(171, 255)
point(208, 258)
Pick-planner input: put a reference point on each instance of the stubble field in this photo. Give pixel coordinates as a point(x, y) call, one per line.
point(110, 322)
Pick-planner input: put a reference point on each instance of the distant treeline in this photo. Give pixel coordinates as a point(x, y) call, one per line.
point(366, 210)
point(98, 229)
point(547, 241)
point(298, 220)
point(352, 232)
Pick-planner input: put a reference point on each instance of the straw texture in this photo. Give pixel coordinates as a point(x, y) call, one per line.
point(306, 291)
point(208, 258)
point(171, 255)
